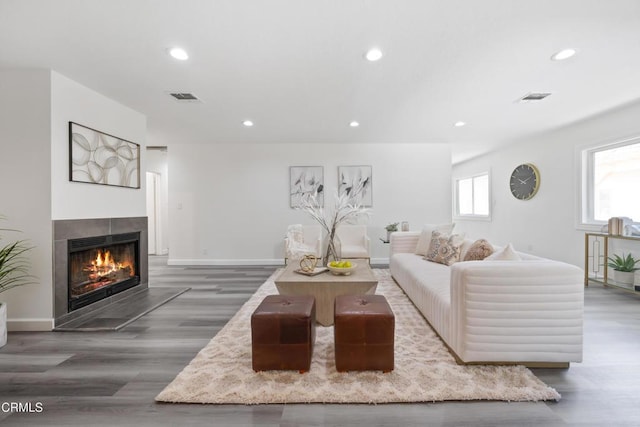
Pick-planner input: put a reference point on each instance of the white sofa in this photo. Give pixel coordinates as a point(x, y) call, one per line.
point(526, 312)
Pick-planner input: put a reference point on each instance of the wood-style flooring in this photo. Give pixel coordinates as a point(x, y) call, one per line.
point(111, 378)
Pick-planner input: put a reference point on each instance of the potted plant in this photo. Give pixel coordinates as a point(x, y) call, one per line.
point(14, 271)
point(390, 229)
point(623, 268)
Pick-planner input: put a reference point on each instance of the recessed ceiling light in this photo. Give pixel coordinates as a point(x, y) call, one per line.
point(563, 54)
point(459, 124)
point(179, 53)
point(354, 124)
point(247, 123)
point(373, 54)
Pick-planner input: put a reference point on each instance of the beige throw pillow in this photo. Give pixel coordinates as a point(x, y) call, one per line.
point(505, 254)
point(479, 250)
point(424, 241)
point(444, 249)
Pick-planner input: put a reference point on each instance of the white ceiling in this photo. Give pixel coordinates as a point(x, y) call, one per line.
point(296, 67)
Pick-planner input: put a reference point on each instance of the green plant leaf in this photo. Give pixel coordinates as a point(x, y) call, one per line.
point(14, 265)
point(623, 263)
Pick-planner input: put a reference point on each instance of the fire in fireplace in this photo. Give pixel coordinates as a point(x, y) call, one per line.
point(102, 266)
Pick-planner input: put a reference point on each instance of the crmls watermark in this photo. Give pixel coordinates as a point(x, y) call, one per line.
point(28, 407)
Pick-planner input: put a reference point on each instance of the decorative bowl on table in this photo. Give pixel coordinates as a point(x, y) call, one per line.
point(342, 267)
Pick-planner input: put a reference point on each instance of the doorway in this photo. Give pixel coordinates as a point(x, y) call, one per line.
point(157, 199)
point(153, 212)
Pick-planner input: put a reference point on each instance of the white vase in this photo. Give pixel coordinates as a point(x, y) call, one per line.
point(3, 323)
point(623, 278)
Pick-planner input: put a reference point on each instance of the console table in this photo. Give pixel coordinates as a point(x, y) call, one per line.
point(596, 256)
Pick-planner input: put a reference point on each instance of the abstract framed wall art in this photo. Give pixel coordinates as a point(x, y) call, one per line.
point(99, 158)
point(355, 182)
point(305, 181)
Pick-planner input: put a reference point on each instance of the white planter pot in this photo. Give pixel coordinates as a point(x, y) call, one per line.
point(3, 323)
point(623, 278)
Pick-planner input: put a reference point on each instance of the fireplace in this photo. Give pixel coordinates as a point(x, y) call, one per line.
point(101, 266)
point(79, 294)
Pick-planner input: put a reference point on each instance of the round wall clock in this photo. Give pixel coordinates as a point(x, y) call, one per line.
point(524, 181)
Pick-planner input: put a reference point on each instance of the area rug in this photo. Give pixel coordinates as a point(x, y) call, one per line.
point(424, 370)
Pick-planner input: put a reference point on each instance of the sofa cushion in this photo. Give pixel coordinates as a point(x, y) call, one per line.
point(479, 250)
point(444, 249)
point(424, 241)
point(505, 254)
point(427, 285)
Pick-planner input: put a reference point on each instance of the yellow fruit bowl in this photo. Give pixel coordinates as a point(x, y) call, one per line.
point(344, 269)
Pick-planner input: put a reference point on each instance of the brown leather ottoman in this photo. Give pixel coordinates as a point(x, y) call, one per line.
point(364, 329)
point(283, 331)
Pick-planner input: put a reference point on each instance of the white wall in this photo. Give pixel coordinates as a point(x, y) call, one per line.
point(229, 203)
point(25, 171)
point(71, 101)
point(547, 224)
point(157, 161)
point(35, 108)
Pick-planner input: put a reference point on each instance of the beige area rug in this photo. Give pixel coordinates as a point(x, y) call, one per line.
point(424, 370)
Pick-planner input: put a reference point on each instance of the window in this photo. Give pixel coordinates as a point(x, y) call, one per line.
point(472, 196)
point(611, 179)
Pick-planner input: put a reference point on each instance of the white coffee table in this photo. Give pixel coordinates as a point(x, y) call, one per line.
point(325, 287)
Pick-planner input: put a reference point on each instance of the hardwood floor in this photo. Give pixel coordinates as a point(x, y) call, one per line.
point(111, 378)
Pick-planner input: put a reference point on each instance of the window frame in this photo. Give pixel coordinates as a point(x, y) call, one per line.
point(586, 204)
point(456, 203)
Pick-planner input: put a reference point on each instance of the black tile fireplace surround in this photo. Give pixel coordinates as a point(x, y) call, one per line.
point(105, 230)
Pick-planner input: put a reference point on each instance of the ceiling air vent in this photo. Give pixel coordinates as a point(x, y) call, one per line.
point(184, 97)
point(534, 96)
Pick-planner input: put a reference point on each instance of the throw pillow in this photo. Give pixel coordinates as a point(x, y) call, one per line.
point(479, 250)
point(505, 254)
point(424, 241)
point(444, 249)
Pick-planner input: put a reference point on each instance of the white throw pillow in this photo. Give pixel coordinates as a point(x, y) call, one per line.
point(505, 254)
point(424, 241)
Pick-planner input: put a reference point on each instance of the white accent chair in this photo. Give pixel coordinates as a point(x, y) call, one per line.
point(302, 240)
point(354, 241)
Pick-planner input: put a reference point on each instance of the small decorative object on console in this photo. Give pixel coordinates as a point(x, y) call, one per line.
point(623, 268)
point(390, 229)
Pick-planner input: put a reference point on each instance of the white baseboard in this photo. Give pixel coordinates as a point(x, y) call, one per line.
point(221, 262)
point(29, 325)
point(217, 262)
